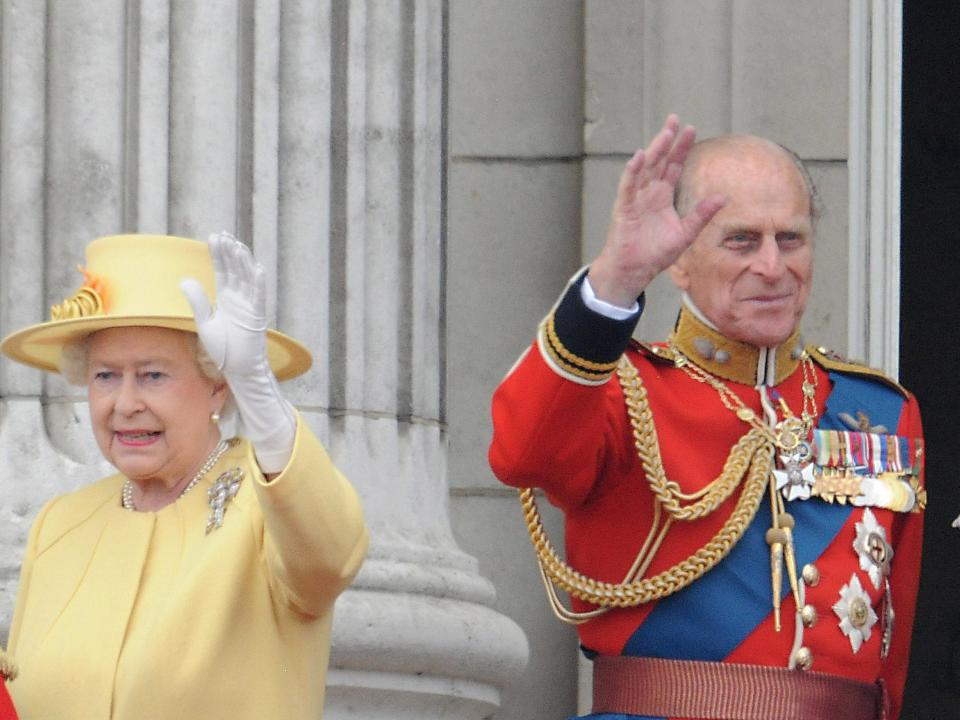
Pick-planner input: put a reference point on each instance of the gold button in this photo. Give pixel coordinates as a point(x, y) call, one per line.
point(746, 414)
point(803, 658)
point(811, 576)
point(808, 614)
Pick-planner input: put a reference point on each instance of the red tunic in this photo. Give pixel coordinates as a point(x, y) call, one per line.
point(560, 426)
point(7, 711)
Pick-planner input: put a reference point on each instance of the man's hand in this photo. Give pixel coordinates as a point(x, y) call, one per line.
point(646, 235)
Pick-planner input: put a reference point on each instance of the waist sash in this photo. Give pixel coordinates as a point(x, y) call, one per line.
point(726, 691)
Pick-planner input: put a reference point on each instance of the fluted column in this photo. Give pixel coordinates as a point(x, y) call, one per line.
point(313, 130)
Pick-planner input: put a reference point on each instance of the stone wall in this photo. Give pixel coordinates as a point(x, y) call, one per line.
point(313, 130)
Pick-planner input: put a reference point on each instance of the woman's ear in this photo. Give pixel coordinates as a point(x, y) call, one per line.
point(219, 396)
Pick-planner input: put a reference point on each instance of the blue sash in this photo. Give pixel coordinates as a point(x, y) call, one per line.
point(684, 625)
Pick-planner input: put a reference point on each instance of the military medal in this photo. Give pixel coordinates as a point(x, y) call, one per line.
point(795, 479)
point(875, 555)
point(873, 550)
point(856, 614)
point(789, 439)
point(868, 469)
point(886, 621)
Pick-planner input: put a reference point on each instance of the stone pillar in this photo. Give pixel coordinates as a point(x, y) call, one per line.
point(313, 130)
point(515, 168)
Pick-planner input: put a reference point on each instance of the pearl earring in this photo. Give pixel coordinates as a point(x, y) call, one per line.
point(215, 417)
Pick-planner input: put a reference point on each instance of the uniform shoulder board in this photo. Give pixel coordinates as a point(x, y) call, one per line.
point(831, 360)
point(653, 351)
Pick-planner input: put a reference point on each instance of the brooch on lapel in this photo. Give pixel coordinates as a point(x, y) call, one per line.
point(221, 493)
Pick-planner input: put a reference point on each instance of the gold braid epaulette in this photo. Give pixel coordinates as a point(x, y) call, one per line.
point(830, 360)
point(751, 456)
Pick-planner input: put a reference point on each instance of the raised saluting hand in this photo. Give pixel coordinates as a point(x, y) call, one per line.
point(646, 235)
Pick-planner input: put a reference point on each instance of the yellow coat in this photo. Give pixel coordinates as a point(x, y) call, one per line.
point(143, 616)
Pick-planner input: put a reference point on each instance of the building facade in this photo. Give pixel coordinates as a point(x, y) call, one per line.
point(420, 178)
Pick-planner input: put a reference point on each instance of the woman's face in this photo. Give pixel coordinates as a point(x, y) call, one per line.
point(150, 404)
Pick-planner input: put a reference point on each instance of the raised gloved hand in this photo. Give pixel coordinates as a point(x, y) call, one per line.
point(235, 336)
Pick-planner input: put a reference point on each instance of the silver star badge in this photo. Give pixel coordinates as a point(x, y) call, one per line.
point(856, 613)
point(872, 548)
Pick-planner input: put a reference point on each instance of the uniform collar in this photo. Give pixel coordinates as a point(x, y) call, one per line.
point(704, 345)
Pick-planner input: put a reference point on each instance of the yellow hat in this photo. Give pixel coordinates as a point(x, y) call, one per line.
point(134, 280)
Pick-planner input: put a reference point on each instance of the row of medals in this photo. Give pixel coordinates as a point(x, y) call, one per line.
point(796, 471)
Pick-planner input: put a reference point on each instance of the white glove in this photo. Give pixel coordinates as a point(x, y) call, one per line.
point(235, 337)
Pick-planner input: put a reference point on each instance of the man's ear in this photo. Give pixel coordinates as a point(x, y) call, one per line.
point(679, 273)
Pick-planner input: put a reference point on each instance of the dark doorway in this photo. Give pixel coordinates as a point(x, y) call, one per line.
point(929, 337)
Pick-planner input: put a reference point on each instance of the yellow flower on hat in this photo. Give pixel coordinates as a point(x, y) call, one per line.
point(95, 283)
point(88, 300)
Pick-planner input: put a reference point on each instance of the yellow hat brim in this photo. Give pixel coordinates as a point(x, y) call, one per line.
point(41, 345)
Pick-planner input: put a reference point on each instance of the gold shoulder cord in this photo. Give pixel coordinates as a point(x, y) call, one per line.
point(750, 457)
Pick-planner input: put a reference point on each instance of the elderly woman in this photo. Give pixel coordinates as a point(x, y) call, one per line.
point(199, 581)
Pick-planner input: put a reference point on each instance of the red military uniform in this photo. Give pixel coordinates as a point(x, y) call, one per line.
point(561, 424)
point(7, 711)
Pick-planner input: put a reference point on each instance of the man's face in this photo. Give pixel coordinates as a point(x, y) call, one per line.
point(749, 271)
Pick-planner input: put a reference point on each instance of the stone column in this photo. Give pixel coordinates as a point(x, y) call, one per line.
point(313, 130)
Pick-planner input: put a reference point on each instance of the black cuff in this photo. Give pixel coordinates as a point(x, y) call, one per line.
point(584, 343)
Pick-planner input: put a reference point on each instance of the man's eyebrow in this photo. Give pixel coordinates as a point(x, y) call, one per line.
point(736, 227)
point(800, 225)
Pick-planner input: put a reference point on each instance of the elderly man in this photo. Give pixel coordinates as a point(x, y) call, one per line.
point(743, 513)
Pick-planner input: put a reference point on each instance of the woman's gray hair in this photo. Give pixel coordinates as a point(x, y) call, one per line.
point(73, 361)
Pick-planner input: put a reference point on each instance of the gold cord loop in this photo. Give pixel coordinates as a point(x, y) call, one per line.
point(751, 457)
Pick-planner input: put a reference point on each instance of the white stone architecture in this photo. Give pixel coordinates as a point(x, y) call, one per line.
point(312, 130)
point(420, 177)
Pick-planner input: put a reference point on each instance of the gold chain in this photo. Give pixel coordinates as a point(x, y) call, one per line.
point(647, 444)
point(603, 594)
point(789, 435)
point(752, 457)
point(788, 431)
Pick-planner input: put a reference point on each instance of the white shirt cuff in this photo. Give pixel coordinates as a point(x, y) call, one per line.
point(601, 307)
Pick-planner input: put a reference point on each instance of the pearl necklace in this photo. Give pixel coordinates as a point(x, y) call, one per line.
point(126, 495)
